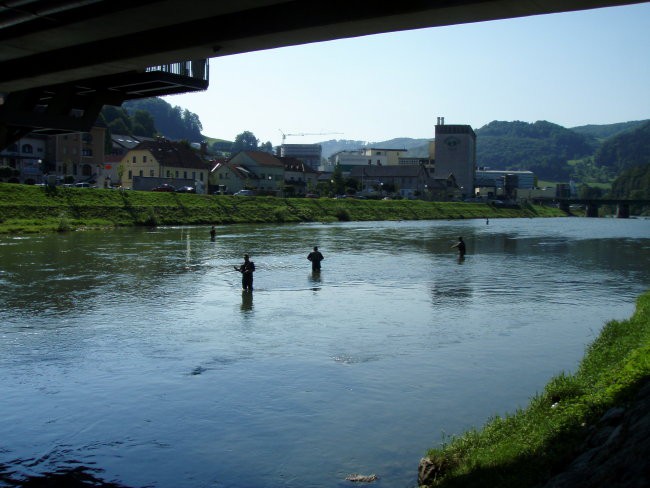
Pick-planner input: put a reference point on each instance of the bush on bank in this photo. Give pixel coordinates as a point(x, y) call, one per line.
point(524, 449)
point(25, 208)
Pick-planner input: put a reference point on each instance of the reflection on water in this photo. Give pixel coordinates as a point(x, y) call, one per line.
point(246, 301)
point(133, 357)
point(315, 280)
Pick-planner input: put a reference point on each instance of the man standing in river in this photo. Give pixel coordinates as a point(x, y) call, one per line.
point(461, 247)
point(315, 257)
point(246, 269)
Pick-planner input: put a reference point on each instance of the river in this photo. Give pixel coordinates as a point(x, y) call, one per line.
point(132, 357)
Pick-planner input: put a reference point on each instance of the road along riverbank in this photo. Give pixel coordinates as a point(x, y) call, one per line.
point(585, 430)
point(25, 209)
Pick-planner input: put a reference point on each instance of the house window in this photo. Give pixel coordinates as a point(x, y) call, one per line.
point(220, 176)
point(176, 173)
point(133, 159)
point(141, 173)
point(144, 159)
point(185, 174)
point(169, 174)
point(27, 148)
point(130, 174)
point(150, 172)
point(193, 175)
point(201, 176)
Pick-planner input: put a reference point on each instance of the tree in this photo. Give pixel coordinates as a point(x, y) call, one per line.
point(337, 180)
point(143, 124)
point(267, 147)
point(172, 122)
point(246, 141)
point(119, 126)
point(192, 125)
point(117, 120)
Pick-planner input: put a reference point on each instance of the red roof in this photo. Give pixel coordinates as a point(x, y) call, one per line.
point(173, 154)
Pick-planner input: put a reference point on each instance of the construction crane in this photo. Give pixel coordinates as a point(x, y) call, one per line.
point(284, 136)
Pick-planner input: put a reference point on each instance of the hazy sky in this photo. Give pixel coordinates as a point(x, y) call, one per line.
point(588, 67)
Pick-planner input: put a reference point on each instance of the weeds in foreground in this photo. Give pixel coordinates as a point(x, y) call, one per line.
point(64, 223)
point(521, 449)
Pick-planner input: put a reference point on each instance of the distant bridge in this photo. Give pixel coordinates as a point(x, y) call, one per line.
point(593, 204)
point(62, 60)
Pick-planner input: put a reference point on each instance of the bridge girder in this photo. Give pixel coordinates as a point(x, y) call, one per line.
point(47, 45)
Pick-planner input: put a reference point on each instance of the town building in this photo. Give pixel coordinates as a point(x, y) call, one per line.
point(408, 181)
point(112, 171)
point(152, 163)
point(310, 154)
point(455, 153)
point(368, 156)
point(227, 178)
point(249, 170)
point(524, 180)
point(382, 157)
point(299, 178)
point(23, 160)
point(78, 156)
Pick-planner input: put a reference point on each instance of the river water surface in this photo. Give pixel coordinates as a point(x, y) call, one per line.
point(133, 356)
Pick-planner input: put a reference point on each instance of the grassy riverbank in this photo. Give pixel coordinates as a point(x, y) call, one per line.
point(525, 448)
point(25, 208)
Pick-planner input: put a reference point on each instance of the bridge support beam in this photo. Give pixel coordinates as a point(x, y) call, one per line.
point(623, 211)
point(591, 210)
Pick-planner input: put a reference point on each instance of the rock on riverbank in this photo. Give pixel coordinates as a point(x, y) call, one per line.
point(616, 454)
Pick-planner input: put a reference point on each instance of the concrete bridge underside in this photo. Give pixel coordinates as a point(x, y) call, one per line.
point(66, 58)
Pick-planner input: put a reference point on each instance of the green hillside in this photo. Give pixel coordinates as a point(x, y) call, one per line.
point(625, 150)
point(602, 132)
point(541, 147)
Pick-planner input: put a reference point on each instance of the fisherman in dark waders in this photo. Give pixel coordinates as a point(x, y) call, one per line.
point(315, 257)
point(246, 269)
point(461, 248)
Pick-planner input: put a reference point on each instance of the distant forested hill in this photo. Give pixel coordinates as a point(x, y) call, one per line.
point(541, 147)
point(633, 183)
point(172, 122)
point(602, 132)
point(625, 150)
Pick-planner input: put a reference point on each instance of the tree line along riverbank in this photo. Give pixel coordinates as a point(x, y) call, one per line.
point(25, 209)
point(585, 430)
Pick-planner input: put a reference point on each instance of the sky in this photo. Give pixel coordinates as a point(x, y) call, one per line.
point(572, 69)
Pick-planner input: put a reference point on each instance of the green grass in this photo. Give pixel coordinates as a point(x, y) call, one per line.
point(524, 448)
point(25, 208)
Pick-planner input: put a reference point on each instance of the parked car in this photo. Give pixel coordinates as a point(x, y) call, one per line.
point(164, 187)
point(83, 185)
point(186, 189)
point(245, 193)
